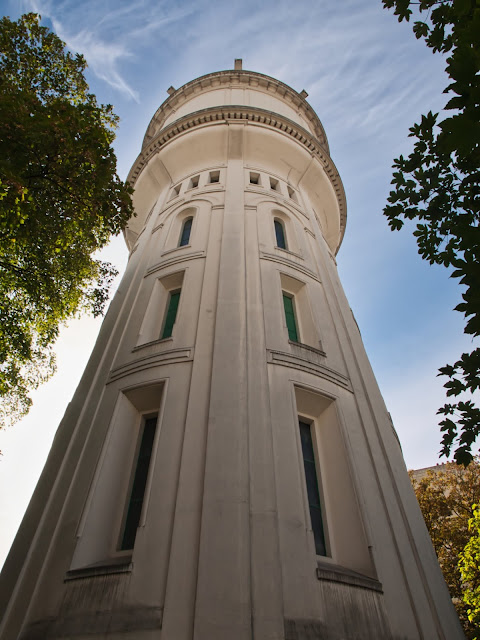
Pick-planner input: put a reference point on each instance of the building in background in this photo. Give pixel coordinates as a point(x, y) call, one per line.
point(227, 468)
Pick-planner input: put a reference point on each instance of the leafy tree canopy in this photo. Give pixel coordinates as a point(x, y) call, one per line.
point(470, 569)
point(60, 201)
point(438, 187)
point(446, 497)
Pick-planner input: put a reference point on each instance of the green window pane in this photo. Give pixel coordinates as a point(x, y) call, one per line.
point(290, 318)
point(171, 315)
point(139, 483)
point(311, 480)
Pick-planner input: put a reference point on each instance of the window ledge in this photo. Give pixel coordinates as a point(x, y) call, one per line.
point(336, 573)
point(307, 347)
point(122, 564)
point(151, 343)
point(289, 252)
point(184, 246)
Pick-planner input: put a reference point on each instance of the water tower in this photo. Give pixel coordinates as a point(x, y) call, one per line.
point(227, 469)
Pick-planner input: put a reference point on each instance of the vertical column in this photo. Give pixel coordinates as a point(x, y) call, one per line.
point(178, 618)
point(266, 574)
point(223, 588)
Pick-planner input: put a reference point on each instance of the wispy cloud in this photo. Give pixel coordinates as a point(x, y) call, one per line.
point(103, 58)
point(108, 34)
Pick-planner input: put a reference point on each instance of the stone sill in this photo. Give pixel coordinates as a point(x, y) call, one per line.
point(151, 343)
point(122, 564)
point(336, 573)
point(300, 346)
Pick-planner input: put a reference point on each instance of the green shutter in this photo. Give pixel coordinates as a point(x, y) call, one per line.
point(171, 314)
point(290, 318)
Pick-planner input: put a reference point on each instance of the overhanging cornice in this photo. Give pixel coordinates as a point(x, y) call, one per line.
point(231, 79)
point(253, 115)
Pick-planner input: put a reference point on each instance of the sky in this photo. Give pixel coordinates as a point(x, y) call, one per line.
point(369, 80)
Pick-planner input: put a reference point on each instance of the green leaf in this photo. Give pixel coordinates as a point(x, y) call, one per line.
point(436, 186)
point(420, 29)
point(55, 212)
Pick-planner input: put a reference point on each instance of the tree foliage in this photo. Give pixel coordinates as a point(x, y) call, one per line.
point(470, 569)
point(437, 186)
point(446, 497)
point(60, 201)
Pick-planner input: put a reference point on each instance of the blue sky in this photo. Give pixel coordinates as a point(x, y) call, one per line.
point(369, 80)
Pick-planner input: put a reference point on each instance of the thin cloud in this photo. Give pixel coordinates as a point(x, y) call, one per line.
point(103, 58)
point(116, 36)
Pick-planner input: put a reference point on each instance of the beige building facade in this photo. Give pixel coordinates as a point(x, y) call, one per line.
point(227, 469)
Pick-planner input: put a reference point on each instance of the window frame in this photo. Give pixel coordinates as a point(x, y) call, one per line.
point(214, 177)
point(133, 516)
point(274, 184)
point(278, 223)
point(292, 194)
point(293, 314)
point(175, 191)
point(318, 527)
point(194, 182)
point(168, 325)
point(181, 242)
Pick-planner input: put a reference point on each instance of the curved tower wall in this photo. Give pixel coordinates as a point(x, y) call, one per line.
point(199, 341)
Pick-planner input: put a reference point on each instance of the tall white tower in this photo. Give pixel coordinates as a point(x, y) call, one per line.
point(227, 469)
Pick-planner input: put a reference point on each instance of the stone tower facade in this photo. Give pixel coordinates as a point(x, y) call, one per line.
point(227, 469)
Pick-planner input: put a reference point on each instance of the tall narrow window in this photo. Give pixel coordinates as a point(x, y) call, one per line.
point(186, 230)
point(171, 315)
point(311, 480)
point(280, 234)
point(290, 317)
point(139, 483)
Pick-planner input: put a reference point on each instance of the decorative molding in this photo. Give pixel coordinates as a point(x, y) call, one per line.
point(159, 226)
point(122, 565)
point(173, 202)
point(288, 252)
point(289, 263)
point(229, 79)
point(172, 261)
point(278, 199)
point(308, 359)
point(310, 232)
point(336, 573)
point(235, 113)
point(184, 247)
point(153, 360)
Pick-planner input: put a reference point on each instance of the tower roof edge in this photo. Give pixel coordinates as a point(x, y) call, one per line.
point(219, 79)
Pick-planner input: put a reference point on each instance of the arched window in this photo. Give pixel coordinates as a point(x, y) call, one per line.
point(280, 234)
point(186, 230)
